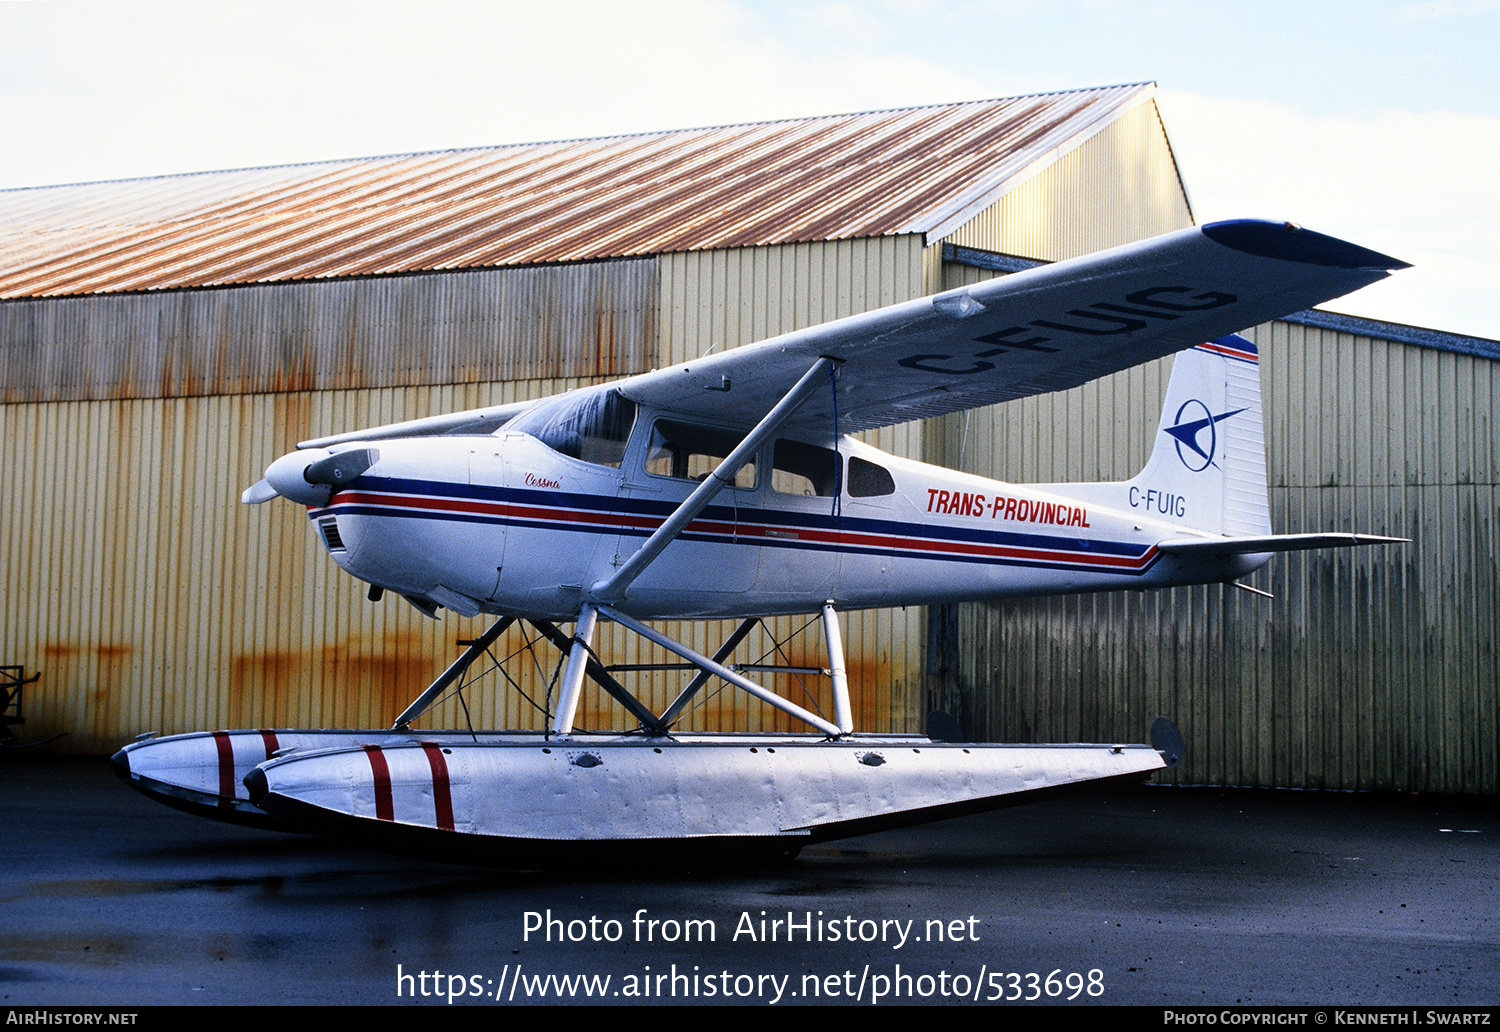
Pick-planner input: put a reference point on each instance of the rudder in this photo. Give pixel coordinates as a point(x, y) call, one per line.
point(1207, 469)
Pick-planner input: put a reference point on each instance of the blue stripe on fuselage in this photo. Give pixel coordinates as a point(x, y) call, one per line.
point(734, 515)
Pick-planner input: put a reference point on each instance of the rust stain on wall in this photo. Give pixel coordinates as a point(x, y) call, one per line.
point(387, 681)
point(260, 687)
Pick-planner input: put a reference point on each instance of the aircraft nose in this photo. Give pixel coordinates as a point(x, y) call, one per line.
point(310, 477)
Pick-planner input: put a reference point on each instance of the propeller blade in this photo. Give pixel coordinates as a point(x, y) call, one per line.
point(258, 492)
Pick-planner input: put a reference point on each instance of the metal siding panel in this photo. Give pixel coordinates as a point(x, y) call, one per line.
point(1119, 185)
point(595, 319)
point(154, 601)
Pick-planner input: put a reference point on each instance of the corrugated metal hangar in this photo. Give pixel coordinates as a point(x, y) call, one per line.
point(161, 340)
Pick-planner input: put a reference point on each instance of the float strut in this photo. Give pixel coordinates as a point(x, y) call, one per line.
point(455, 670)
point(701, 677)
point(842, 714)
point(572, 686)
point(601, 677)
point(721, 671)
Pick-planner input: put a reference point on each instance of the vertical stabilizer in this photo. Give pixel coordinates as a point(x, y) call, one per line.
point(1207, 469)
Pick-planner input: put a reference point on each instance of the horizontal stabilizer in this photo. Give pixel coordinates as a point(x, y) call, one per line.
point(1271, 543)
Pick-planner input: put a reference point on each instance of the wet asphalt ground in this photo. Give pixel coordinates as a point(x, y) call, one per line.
point(1156, 896)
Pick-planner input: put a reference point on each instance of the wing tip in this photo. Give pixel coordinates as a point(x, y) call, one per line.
point(1290, 242)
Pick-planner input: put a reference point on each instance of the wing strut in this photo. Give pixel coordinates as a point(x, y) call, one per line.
point(611, 590)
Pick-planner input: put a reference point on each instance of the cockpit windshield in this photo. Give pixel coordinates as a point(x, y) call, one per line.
point(589, 425)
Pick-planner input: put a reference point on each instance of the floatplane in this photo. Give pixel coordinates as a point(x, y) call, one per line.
point(730, 486)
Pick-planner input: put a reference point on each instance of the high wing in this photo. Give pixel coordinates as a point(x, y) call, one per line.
point(1045, 329)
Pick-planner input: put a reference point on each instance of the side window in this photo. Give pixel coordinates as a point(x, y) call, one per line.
point(804, 469)
point(867, 480)
point(686, 452)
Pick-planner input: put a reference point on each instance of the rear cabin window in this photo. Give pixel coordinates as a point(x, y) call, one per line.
point(804, 469)
point(867, 480)
point(683, 451)
point(591, 426)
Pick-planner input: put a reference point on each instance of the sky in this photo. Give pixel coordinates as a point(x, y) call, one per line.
point(1377, 121)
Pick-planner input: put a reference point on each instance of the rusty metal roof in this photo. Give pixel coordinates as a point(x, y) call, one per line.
point(911, 170)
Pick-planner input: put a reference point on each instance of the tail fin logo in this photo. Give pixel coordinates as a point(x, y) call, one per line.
point(1188, 430)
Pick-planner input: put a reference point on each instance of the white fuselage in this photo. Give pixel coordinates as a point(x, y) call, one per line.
point(504, 524)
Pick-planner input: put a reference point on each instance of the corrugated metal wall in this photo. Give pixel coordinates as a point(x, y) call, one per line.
point(130, 575)
point(588, 319)
point(150, 599)
point(1373, 668)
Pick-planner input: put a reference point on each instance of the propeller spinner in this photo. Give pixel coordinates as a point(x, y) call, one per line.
point(310, 477)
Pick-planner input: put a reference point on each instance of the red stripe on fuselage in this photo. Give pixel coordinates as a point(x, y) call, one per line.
point(927, 545)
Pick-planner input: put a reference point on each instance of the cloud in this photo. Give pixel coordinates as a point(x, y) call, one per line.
point(108, 91)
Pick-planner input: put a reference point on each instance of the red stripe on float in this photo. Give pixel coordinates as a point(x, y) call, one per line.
point(269, 738)
point(226, 768)
point(442, 797)
point(384, 810)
